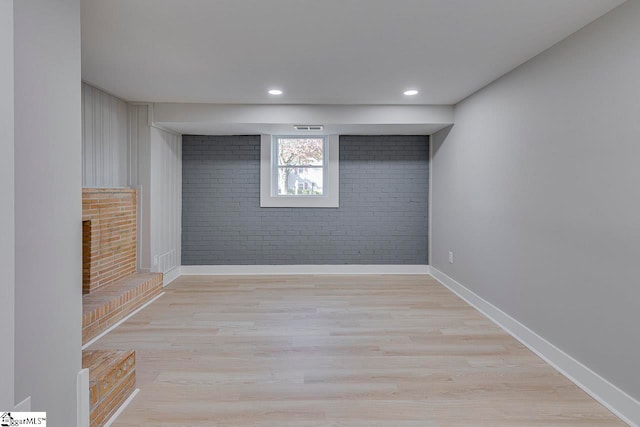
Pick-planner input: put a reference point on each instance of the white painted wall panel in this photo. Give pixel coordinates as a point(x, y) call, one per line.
point(140, 166)
point(166, 199)
point(48, 206)
point(105, 144)
point(7, 249)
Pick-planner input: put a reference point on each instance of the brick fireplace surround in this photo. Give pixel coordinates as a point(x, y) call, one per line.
point(112, 290)
point(108, 237)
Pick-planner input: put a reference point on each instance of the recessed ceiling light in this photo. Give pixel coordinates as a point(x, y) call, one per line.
point(275, 92)
point(411, 92)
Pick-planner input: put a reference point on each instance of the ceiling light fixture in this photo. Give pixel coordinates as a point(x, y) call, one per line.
point(275, 92)
point(410, 92)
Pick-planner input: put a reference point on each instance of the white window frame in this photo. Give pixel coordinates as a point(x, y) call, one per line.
point(269, 197)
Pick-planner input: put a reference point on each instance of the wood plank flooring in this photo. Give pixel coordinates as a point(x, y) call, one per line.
point(303, 351)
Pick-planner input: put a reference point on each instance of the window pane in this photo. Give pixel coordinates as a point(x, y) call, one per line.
point(297, 181)
point(300, 151)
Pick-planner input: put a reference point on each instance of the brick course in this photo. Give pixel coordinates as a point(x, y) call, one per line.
point(107, 306)
point(109, 236)
point(112, 378)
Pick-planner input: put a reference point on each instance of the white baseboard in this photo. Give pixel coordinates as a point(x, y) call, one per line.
point(614, 399)
point(192, 270)
point(121, 321)
point(122, 408)
point(170, 276)
point(83, 398)
point(24, 406)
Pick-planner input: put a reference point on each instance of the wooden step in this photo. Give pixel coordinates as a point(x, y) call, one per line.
point(112, 379)
point(105, 307)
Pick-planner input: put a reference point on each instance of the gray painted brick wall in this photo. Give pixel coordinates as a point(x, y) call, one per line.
point(382, 218)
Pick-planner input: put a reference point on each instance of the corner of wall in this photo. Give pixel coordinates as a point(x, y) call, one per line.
point(609, 395)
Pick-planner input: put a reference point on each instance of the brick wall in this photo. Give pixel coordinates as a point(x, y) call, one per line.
point(382, 218)
point(109, 236)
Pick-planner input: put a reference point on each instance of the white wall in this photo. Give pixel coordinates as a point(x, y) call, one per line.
point(48, 182)
point(105, 142)
point(7, 250)
point(140, 142)
point(166, 200)
point(156, 157)
point(536, 189)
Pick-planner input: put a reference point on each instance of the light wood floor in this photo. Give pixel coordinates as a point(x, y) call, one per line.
point(304, 351)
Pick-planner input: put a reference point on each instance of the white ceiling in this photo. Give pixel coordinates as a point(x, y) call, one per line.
point(317, 51)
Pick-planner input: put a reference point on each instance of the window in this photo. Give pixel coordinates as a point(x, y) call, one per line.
point(299, 171)
point(300, 168)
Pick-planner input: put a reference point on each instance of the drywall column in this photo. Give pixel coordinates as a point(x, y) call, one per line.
point(166, 200)
point(156, 171)
point(535, 190)
point(48, 206)
point(140, 177)
point(7, 248)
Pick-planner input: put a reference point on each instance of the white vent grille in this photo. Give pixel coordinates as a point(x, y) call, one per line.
point(167, 261)
point(308, 127)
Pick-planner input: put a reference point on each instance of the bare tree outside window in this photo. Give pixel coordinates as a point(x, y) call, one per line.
point(300, 166)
